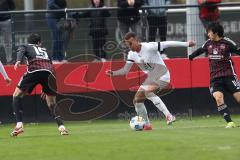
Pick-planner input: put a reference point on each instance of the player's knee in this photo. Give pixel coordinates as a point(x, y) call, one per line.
point(237, 97)
point(238, 100)
point(17, 98)
point(218, 96)
point(18, 93)
point(138, 100)
point(219, 100)
point(51, 105)
point(164, 91)
point(51, 100)
point(150, 95)
point(134, 101)
point(52, 108)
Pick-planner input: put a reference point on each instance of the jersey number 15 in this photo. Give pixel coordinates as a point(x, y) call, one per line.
point(41, 52)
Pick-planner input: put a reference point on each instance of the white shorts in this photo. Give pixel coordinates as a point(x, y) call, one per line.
point(153, 79)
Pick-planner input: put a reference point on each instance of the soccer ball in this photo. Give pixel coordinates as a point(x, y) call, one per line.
point(137, 123)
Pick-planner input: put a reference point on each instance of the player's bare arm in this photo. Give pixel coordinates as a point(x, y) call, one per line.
point(122, 71)
point(4, 74)
point(8, 81)
point(17, 65)
point(191, 43)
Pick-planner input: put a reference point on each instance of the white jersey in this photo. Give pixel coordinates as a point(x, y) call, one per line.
point(148, 59)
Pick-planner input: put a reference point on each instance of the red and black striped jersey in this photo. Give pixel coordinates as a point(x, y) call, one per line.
point(36, 57)
point(219, 54)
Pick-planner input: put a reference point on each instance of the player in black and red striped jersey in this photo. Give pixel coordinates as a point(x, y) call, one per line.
point(222, 73)
point(39, 71)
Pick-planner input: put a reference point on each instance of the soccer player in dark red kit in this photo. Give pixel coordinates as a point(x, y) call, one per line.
point(222, 74)
point(39, 71)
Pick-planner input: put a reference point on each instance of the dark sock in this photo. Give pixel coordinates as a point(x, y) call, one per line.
point(223, 110)
point(17, 108)
point(55, 116)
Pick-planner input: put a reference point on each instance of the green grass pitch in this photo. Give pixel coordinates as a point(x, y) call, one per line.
point(196, 139)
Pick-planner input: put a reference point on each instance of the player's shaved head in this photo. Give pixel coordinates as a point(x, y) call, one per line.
point(130, 35)
point(131, 40)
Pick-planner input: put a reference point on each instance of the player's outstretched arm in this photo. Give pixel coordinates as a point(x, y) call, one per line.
point(4, 74)
point(234, 49)
point(121, 71)
point(191, 43)
point(168, 44)
point(17, 64)
point(196, 53)
point(8, 81)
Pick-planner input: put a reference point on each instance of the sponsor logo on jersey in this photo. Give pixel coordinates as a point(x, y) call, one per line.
point(215, 51)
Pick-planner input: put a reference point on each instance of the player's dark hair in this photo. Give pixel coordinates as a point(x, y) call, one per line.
point(130, 35)
point(216, 27)
point(34, 38)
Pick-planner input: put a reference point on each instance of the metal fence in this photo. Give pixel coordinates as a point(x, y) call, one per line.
point(80, 43)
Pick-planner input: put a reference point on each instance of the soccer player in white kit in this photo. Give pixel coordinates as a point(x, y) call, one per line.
point(147, 57)
point(4, 74)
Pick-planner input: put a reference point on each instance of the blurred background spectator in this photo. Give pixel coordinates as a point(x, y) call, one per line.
point(157, 21)
point(53, 20)
point(129, 18)
point(84, 3)
point(81, 44)
point(6, 30)
point(208, 14)
point(98, 29)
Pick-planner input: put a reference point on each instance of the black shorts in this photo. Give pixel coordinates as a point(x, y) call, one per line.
point(46, 79)
point(229, 84)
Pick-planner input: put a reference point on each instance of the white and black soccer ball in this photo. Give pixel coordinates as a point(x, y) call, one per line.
point(137, 123)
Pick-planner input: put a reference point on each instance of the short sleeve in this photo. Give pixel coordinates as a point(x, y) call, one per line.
point(130, 58)
point(155, 46)
point(20, 52)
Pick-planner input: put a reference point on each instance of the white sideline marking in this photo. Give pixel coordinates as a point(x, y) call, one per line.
point(224, 147)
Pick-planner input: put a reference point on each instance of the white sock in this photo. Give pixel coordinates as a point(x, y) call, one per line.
point(142, 111)
point(158, 103)
point(61, 127)
point(19, 124)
